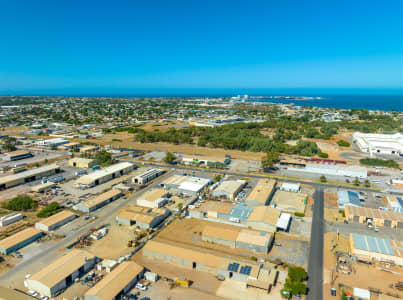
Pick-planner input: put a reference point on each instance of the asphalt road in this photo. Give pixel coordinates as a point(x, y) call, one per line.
point(315, 262)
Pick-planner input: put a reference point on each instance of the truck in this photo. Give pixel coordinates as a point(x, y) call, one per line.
point(81, 172)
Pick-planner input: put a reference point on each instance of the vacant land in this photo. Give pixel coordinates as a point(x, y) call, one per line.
point(292, 251)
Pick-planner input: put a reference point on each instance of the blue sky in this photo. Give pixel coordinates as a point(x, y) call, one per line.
point(103, 46)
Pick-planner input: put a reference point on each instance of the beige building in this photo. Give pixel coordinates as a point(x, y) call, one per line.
point(373, 216)
point(261, 193)
point(263, 218)
point(289, 201)
point(60, 274)
point(55, 221)
point(229, 189)
point(373, 248)
point(28, 176)
point(118, 282)
point(99, 201)
point(142, 217)
point(155, 198)
point(83, 163)
point(19, 240)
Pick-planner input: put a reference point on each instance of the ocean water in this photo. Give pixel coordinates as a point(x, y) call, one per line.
point(371, 102)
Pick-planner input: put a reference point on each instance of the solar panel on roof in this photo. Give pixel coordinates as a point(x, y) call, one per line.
point(372, 244)
point(236, 267)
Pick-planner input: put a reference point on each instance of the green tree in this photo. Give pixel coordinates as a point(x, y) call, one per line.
point(343, 143)
point(367, 183)
point(356, 181)
point(20, 203)
point(323, 155)
point(169, 158)
point(270, 159)
point(104, 158)
point(217, 178)
point(49, 210)
point(323, 179)
point(8, 146)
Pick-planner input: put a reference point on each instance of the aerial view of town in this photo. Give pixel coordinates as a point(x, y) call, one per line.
point(166, 190)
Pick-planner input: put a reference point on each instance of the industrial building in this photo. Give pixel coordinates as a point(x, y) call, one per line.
point(118, 282)
point(83, 163)
point(19, 240)
point(142, 217)
point(348, 198)
point(374, 216)
point(99, 201)
point(229, 189)
point(17, 155)
point(205, 160)
point(60, 274)
point(333, 170)
point(103, 175)
point(289, 201)
point(283, 222)
point(290, 187)
point(251, 273)
point(395, 203)
point(147, 176)
point(373, 248)
point(173, 182)
point(188, 185)
point(154, 198)
point(263, 218)
point(234, 213)
point(55, 221)
point(237, 237)
point(43, 187)
point(388, 144)
point(261, 193)
point(52, 142)
point(10, 219)
point(193, 185)
point(28, 176)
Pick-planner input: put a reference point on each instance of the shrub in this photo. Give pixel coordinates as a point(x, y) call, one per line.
point(49, 210)
point(323, 155)
point(389, 163)
point(299, 214)
point(20, 203)
point(254, 258)
point(343, 143)
point(323, 178)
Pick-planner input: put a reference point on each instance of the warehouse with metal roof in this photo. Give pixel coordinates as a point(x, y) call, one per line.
point(60, 274)
point(206, 261)
point(348, 198)
point(289, 202)
point(261, 193)
point(55, 221)
point(374, 216)
point(263, 218)
point(118, 282)
point(19, 240)
point(28, 176)
point(142, 217)
point(80, 162)
point(154, 198)
point(377, 249)
point(17, 155)
point(103, 175)
point(229, 189)
point(173, 182)
point(193, 185)
point(147, 176)
point(99, 201)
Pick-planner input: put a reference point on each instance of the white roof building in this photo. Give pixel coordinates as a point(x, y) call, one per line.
point(390, 144)
point(283, 221)
point(193, 185)
point(290, 187)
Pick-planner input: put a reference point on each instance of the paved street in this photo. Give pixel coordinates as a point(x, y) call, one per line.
point(315, 262)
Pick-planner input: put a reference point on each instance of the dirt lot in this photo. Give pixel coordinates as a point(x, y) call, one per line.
point(188, 232)
point(161, 290)
point(333, 215)
point(331, 199)
point(363, 276)
point(114, 244)
point(292, 251)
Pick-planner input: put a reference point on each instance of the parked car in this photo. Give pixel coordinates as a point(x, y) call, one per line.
point(141, 286)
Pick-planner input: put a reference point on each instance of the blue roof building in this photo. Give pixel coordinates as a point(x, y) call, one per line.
point(348, 198)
